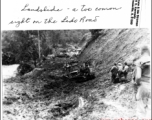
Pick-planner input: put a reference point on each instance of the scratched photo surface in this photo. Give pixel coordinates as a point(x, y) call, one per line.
point(87, 74)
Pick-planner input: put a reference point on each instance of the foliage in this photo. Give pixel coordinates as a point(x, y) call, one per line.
point(24, 68)
point(8, 58)
point(23, 45)
point(20, 44)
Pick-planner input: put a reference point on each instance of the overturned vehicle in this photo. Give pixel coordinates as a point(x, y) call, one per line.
point(78, 73)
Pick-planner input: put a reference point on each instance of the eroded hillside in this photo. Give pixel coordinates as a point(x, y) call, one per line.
point(115, 45)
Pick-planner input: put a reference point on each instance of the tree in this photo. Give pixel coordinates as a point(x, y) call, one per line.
point(28, 45)
point(21, 44)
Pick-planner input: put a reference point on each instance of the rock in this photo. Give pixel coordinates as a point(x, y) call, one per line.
point(34, 73)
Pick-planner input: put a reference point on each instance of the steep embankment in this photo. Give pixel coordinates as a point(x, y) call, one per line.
point(85, 39)
point(115, 45)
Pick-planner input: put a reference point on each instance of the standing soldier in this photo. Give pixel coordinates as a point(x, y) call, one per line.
point(125, 70)
point(120, 71)
point(114, 72)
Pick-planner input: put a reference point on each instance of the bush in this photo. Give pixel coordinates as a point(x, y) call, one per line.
point(24, 68)
point(8, 58)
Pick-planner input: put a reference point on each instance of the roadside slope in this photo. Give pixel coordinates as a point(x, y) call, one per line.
point(115, 45)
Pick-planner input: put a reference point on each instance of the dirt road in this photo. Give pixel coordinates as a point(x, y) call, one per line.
point(40, 98)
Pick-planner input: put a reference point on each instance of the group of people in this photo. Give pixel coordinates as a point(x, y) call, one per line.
point(119, 72)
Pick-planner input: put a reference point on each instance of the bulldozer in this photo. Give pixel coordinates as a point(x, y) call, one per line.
point(79, 73)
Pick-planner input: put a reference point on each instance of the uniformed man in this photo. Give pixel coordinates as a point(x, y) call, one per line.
point(125, 70)
point(114, 73)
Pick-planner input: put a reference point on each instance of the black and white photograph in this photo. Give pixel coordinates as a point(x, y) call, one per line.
point(76, 74)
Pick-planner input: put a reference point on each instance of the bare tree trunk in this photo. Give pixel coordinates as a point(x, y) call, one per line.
point(39, 45)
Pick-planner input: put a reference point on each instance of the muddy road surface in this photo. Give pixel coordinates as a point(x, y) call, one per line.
point(48, 97)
